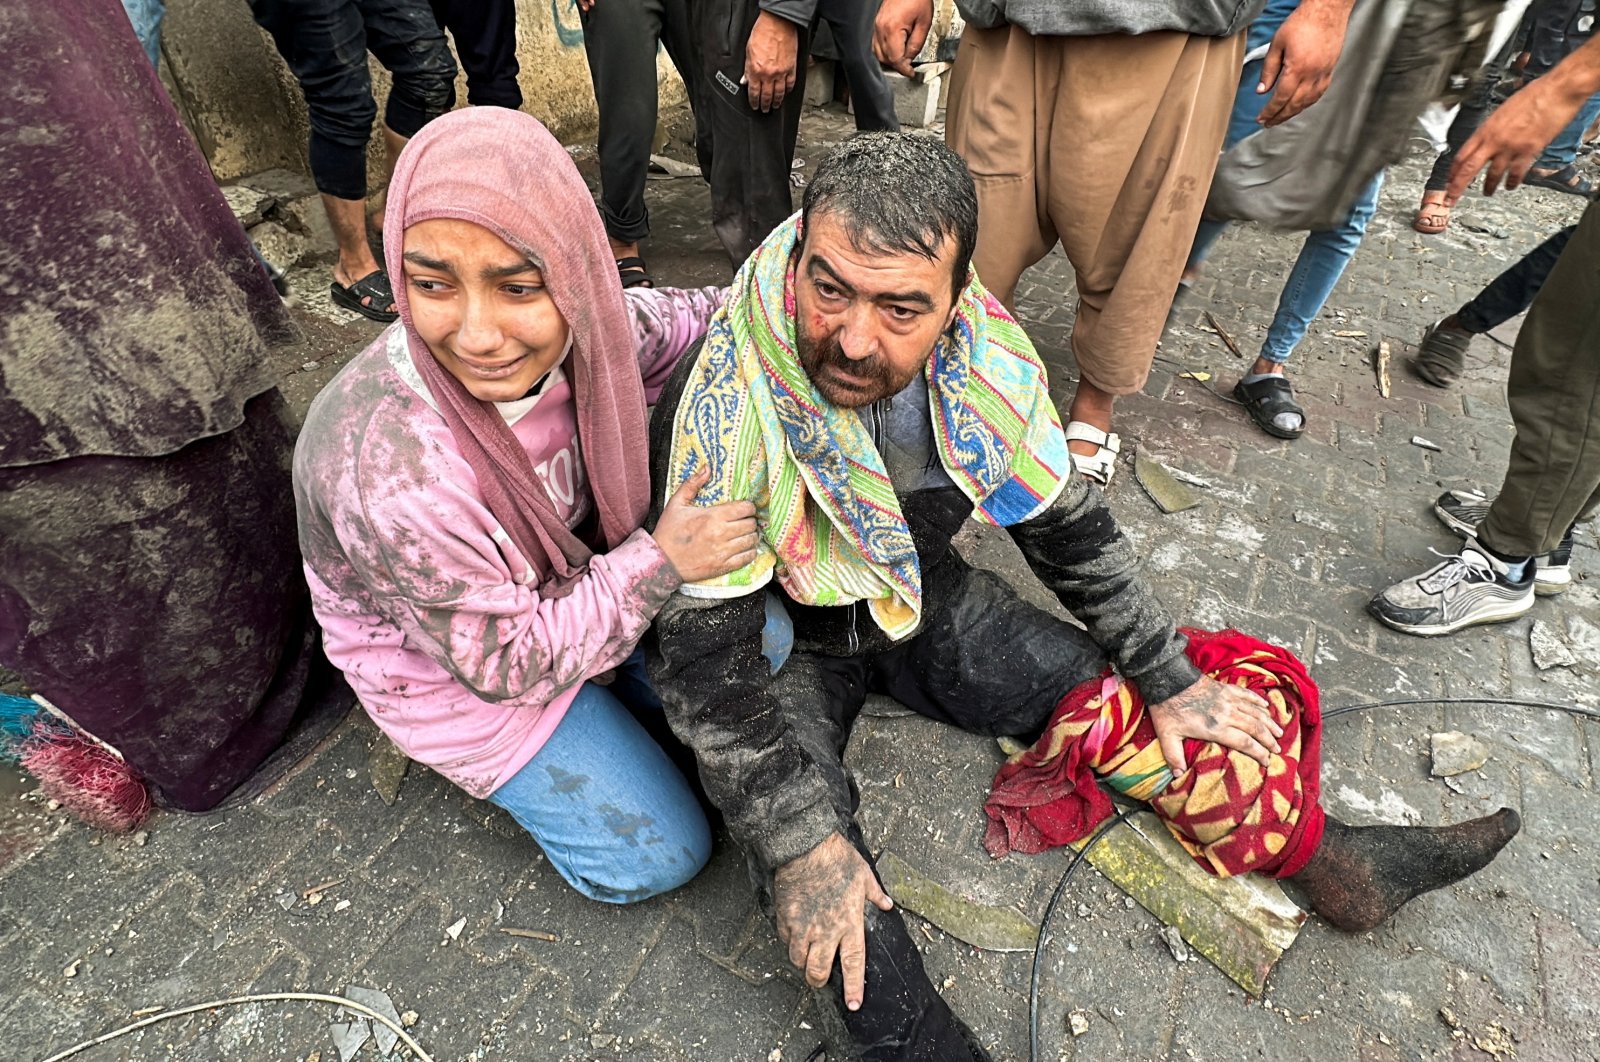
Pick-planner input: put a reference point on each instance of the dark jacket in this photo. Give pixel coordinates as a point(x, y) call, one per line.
point(707, 666)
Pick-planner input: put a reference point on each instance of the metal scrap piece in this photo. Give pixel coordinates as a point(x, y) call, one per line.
point(982, 926)
point(1169, 495)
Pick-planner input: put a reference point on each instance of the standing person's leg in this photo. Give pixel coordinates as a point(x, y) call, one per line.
point(1553, 169)
point(1134, 141)
point(324, 43)
point(1442, 355)
point(996, 124)
point(1553, 477)
point(605, 803)
point(751, 150)
point(1432, 215)
point(1265, 391)
point(852, 25)
point(485, 32)
point(619, 38)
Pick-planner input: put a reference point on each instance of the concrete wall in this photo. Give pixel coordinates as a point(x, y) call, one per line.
point(246, 112)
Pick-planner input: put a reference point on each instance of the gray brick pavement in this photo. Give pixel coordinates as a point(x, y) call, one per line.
point(1292, 540)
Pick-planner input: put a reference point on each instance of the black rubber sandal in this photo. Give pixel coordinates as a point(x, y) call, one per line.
point(375, 285)
point(634, 273)
point(1566, 179)
point(1265, 399)
point(1441, 356)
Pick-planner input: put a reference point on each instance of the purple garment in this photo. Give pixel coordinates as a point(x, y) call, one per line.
point(150, 582)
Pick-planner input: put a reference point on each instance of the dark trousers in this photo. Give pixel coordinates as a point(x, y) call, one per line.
point(745, 154)
point(851, 22)
point(325, 43)
point(987, 663)
point(620, 38)
point(1514, 290)
point(1553, 477)
point(485, 32)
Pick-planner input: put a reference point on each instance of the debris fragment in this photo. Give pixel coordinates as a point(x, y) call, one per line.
point(663, 168)
point(531, 934)
point(1349, 333)
point(1380, 366)
point(380, 1003)
point(602, 1039)
point(409, 1018)
point(1169, 495)
point(1010, 745)
point(1175, 943)
point(455, 930)
point(775, 1055)
point(1549, 647)
point(349, 1037)
point(1426, 444)
point(1185, 477)
point(1457, 753)
point(1078, 1022)
point(1222, 334)
point(72, 968)
point(982, 926)
point(318, 890)
point(285, 900)
point(1191, 374)
point(387, 766)
point(141, 838)
point(341, 905)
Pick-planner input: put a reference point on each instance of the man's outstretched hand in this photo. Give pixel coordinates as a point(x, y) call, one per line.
point(821, 900)
point(1512, 138)
point(1300, 60)
point(1214, 711)
point(901, 30)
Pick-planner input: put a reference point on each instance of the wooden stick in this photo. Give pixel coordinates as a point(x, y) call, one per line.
point(532, 934)
point(1223, 333)
point(324, 887)
point(1381, 367)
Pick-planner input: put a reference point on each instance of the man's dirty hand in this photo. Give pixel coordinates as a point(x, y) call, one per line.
point(901, 29)
point(770, 58)
point(1209, 710)
point(705, 541)
point(821, 900)
point(1300, 60)
point(1513, 137)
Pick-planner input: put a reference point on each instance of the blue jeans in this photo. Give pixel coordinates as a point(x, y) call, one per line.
point(1564, 148)
point(613, 814)
point(146, 16)
point(1325, 254)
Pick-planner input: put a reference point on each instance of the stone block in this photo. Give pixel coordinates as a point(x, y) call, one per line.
point(248, 204)
point(916, 100)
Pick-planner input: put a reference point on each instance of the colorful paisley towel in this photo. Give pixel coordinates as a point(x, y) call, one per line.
point(1231, 814)
point(832, 530)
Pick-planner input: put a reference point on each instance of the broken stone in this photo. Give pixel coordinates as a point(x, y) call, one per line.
point(1457, 753)
point(248, 204)
point(602, 1040)
point(72, 968)
point(349, 1036)
point(278, 245)
point(1549, 647)
point(982, 926)
point(141, 838)
point(387, 766)
point(1175, 943)
point(285, 900)
point(409, 1018)
point(379, 1002)
point(1078, 1022)
point(1426, 444)
point(455, 930)
point(669, 167)
point(1169, 495)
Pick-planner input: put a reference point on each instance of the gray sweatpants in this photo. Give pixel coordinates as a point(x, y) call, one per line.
point(1553, 478)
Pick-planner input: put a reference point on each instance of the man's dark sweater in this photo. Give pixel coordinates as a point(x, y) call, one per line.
point(721, 696)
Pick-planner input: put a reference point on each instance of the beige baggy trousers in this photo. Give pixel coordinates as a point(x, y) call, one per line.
point(1107, 144)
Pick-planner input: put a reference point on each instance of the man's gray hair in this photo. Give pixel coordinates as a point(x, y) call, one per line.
point(896, 193)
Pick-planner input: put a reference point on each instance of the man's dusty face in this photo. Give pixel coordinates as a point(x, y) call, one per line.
point(865, 321)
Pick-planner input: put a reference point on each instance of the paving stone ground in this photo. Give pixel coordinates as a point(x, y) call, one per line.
point(1291, 541)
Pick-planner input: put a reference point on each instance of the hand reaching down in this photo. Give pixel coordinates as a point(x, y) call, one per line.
point(821, 900)
point(1209, 710)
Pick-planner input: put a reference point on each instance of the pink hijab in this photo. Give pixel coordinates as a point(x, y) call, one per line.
point(501, 169)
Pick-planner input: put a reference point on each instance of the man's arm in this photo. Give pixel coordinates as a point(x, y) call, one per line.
point(1300, 61)
point(1515, 134)
point(1077, 550)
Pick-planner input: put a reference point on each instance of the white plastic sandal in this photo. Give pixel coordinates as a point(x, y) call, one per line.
point(1101, 465)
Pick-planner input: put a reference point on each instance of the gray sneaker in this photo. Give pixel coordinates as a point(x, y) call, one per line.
point(1463, 510)
point(1467, 589)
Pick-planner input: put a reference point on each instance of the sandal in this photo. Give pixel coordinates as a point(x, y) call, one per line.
point(1442, 355)
point(1267, 399)
point(1101, 465)
point(1433, 217)
point(634, 273)
point(373, 286)
point(1566, 179)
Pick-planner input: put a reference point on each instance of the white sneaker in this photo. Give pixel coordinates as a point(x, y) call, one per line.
point(1463, 591)
point(1463, 510)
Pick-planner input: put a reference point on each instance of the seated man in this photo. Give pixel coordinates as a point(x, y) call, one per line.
point(868, 395)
